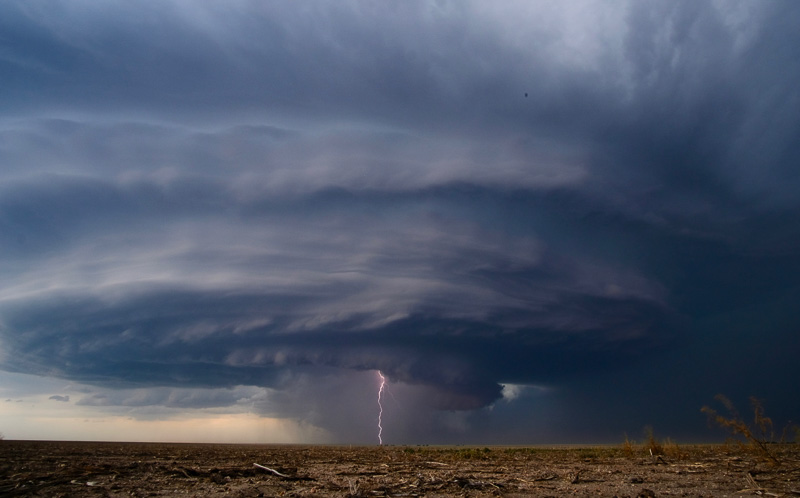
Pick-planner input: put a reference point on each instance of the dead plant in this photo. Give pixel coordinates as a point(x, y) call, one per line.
point(627, 447)
point(673, 450)
point(652, 443)
point(759, 434)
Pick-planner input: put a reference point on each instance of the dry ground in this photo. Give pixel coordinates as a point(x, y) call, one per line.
point(131, 469)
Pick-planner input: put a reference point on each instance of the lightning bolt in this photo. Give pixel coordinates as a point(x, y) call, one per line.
point(380, 407)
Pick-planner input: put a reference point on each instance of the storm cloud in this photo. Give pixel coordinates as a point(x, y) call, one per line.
point(260, 204)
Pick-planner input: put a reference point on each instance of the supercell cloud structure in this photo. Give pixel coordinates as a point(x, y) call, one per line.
point(599, 201)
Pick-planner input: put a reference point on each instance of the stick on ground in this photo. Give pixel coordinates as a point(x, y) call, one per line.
point(273, 471)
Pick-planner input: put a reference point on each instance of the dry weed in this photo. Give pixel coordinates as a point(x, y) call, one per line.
point(627, 447)
point(652, 443)
point(673, 451)
point(759, 434)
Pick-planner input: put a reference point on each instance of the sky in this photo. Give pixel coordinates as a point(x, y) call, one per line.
point(543, 222)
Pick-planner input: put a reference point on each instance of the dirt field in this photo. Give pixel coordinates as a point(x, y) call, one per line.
point(132, 469)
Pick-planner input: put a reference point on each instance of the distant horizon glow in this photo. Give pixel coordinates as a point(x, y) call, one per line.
point(34, 417)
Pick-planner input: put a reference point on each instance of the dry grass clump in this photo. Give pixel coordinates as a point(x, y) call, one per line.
point(653, 448)
point(652, 444)
point(627, 447)
point(673, 451)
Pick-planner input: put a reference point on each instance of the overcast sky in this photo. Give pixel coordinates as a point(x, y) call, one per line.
point(542, 221)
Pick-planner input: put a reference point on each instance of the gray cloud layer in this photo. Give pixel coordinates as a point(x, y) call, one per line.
point(244, 195)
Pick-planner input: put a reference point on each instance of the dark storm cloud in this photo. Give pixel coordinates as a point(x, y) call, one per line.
point(263, 195)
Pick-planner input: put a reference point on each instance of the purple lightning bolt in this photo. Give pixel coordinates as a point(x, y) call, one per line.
point(380, 408)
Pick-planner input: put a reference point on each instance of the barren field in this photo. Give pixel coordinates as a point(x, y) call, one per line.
point(30, 468)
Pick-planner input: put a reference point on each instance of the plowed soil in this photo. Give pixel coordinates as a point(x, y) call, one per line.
point(40, 468)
